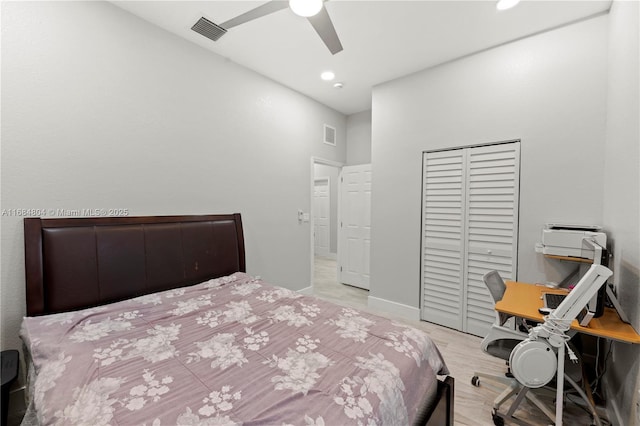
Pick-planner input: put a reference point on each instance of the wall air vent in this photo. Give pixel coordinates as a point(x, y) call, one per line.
point(329, 135)
point(208, 29)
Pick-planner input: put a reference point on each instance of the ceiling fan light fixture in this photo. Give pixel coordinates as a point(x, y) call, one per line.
point(305, 8)
point(506, 4)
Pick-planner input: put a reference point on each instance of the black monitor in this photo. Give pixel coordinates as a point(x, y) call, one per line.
point(602, 293)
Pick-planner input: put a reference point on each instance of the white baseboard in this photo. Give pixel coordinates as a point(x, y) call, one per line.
point(394, 308)
point(308, 291)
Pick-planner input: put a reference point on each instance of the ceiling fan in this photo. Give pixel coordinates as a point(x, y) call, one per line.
point(313, 10)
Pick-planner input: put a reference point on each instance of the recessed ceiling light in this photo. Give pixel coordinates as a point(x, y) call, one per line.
point(327, 75)
point(506, 4)
point(338, 85)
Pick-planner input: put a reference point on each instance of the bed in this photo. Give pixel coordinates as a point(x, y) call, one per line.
point(154, 321)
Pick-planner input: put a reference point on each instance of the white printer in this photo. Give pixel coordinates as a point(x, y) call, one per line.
point(568, 240)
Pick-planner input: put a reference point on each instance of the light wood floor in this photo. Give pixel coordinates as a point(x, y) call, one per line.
point(461, 352)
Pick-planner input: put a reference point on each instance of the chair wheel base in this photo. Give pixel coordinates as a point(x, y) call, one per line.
point(497, 420)
point(475, 381)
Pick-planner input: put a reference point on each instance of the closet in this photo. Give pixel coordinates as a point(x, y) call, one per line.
point(469, 226)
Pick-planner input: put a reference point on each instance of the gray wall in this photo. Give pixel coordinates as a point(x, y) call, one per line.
point(359, 138)
point(548, 90)
point(622, 198)
point(103, 110)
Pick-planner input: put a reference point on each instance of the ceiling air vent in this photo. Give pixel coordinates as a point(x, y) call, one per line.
point(208, 29)
point(329, 135)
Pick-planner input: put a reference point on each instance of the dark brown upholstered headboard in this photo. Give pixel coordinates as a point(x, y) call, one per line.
point(82, 262)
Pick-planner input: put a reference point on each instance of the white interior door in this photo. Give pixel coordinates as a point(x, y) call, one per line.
point(321, 216)
point(355, 225)
point(443, 231)
point(493, 182)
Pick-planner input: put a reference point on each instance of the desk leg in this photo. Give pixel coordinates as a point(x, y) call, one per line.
point(560, 386)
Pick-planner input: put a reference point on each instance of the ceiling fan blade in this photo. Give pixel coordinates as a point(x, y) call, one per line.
point(258, 12)
point(325, 29)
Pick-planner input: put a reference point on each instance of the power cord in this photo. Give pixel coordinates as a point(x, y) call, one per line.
point(572, 355)
point(596, 382)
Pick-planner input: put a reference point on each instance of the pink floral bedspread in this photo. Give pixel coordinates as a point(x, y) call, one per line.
point(233, 350)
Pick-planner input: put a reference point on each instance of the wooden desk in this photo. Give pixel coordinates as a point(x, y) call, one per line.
point(523, 300)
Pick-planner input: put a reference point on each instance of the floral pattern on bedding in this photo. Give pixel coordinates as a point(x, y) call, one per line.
point(230, 351)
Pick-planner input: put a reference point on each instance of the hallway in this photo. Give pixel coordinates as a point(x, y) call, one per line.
point(326, 285)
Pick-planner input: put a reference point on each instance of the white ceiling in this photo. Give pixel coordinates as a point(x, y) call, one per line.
point(382, 40)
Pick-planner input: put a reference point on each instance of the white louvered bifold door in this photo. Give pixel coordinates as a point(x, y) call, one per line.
point(443, 192)
point(469, 224)
point(492, 231)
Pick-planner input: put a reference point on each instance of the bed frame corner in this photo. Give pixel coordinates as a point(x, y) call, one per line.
point(441, 412)
point(33, 265)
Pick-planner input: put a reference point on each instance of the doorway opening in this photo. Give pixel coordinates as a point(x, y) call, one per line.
point(340, 226)
point(325, 181)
